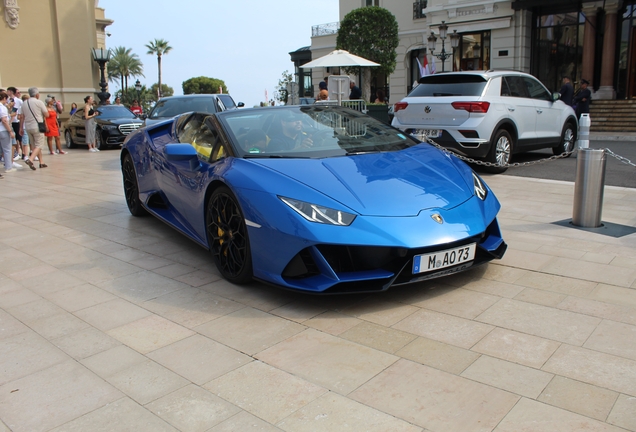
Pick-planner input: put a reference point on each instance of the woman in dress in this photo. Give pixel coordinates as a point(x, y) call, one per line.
point(89, 123)
point(53, 131)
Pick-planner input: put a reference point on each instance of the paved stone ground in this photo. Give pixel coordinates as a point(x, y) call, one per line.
point(111, 323)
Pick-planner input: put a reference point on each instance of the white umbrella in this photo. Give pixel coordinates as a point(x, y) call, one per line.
point(339, 58)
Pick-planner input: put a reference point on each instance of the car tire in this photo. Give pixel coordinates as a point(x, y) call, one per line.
point(68, 138)
point(500, 152)
point(98, 139)
point(227, 237)
point(131, 187)
point(568, 140)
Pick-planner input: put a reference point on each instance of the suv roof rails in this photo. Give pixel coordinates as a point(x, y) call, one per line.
point(504, 70)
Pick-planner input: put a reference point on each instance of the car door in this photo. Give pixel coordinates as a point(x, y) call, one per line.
point(548, 127)
point(77, 126)
point(521, 108)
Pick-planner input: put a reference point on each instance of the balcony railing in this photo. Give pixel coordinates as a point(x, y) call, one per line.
point(418, 9)
point(325, 29)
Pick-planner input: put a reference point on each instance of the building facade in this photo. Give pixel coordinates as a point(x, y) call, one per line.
point(47, 44)
point(595, 40)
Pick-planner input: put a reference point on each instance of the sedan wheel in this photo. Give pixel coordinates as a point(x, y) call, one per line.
point(68, 139)
point(227, 237)
point(131, 187)
point(98, 140)
point(500, 152)
point(568, 139)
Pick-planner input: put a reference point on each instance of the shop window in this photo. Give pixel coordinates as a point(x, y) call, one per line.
point(473, 52)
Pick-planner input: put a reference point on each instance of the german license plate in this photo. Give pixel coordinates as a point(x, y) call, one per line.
point(442, 259)
point(430, 133)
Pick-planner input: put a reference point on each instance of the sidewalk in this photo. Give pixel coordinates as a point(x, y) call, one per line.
point(610, 136)
point(110, 322)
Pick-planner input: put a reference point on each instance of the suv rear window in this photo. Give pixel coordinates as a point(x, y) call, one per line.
point(450, 85)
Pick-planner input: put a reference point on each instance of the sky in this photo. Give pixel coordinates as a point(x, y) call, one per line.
point(245, 43)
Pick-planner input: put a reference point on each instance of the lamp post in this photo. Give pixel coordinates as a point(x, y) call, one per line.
point(443, 55)
point(138, 88)
point(454, 37)
point(102, 56)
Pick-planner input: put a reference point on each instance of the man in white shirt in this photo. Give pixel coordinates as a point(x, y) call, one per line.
point(33, 112)
point(15, 96)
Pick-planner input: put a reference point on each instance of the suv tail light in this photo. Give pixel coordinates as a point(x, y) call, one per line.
point(472, 107)
point(400, 106)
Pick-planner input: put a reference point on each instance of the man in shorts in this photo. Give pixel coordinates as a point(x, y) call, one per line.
point(33, 112)
point(15, 96)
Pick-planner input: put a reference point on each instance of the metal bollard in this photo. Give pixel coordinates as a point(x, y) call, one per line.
point(584, 131)
point(588, 188)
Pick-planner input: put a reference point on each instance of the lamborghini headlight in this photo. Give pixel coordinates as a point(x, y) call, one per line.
point(319, 214)
point(480, 188)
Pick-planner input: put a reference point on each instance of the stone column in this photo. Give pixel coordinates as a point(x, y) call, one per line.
point(589, 42)
point(606, 90)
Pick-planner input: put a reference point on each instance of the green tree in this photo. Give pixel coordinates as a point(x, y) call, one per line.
point(124, 64)
point(166, 91)
point(159, 47)
point(145, 97)
point(203, 85)
point(281, 93)
point(372, 33)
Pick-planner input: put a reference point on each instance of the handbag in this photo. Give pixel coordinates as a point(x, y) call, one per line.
point(41, 125)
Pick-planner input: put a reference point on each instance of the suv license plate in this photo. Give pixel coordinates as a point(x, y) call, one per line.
point(442, 259)
point(430, 133)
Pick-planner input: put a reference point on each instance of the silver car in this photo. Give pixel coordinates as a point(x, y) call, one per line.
point(488, 115)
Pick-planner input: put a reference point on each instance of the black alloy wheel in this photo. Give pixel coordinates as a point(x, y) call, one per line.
point(69, 139)
point(131, 187)
point(99, 142)
point(227, 237)
point(568, 140)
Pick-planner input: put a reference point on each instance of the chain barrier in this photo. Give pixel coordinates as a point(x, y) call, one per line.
point(520, 164)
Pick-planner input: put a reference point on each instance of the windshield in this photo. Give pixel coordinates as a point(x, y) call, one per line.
point(174, 106)
point(309, 131)
point(115, 111)
point(450, 85)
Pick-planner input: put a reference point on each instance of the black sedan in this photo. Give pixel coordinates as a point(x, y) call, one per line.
point(114, 122)
point(168, 107)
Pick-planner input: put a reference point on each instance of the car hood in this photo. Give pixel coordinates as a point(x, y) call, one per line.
point(117, 121)
point(401, 183)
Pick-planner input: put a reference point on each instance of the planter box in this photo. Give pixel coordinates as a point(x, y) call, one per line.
point(379, 112)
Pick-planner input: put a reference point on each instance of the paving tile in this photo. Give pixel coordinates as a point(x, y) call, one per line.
point(624, 413)
point(333, 412)
point(615, 295)
point(141, 286)
point(599, 369)
point(113, 360)
point(18, 297)
point(85, 343)
point(9, 326)
point(433, 399)
point(199, 359)
point(58, 325)
point(444, 328)
point(541, 297)
point(192, 408)
point(197, 278)
point(326, 360)
point(111, 314)
point(255, 295)
point(601, 273)
point(79, 297)
point(244, 421)
point(379, 337)
point(54, 281)
point(52, 397)
point(557, 284)
point(439, 355)
point(525, 259)
point(100, 270)
point(532, 416)
point(286, 392)
point(459, 302)
point(26, 353)
point(147, 381)
point(614, 338)
point(558, 325)
point(150, 262)
point(299, 311)
point(620, 313)
point(380, 312)
point(505, 375)
point(517, 347)
point(578, 397)
point(249, 330)
point(121, 415)
point(501, 289)
point(332, 322)
point(191, 307)
point(149, 333)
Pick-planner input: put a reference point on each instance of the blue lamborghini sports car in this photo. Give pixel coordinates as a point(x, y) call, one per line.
point(312, 198)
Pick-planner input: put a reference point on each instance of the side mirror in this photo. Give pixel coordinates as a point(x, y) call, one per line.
point(556, 96)
point(142, 116)
point(240, 105)
point(182, 153)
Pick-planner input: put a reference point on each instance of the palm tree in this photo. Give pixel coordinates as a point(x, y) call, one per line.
point(122, 65)
point(159, 47)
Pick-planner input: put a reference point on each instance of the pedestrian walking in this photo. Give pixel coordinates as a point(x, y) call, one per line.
point(582, 99)
point(6, 133)
point(33, 115)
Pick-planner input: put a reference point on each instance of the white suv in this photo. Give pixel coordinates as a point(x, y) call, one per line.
point(487, 115)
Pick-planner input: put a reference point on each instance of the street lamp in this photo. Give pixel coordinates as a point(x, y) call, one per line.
point(102, 56)
point(454, 44)
point(443, 55)
point(138, 88)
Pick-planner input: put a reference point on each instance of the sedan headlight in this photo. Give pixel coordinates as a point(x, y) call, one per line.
point(319, 214)
point(480, 188)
